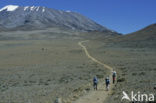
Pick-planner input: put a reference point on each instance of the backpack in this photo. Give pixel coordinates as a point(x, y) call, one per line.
point(107, 81)
point(114, 74)
point(95, 80)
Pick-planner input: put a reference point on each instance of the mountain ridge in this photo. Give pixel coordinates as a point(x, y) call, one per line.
point(146, 33)
point(38, 17)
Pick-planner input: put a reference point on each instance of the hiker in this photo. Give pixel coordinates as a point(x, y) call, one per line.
point(95, 82)
point(114, 76)
point(154, 87)
point(107, 83)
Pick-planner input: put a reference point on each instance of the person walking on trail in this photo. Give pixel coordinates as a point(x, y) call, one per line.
point(114, 76)
point(95, 82)
point(107, 83)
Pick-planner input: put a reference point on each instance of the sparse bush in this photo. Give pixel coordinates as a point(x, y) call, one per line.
point(142, 73)
point(100, 76)
point(134, 74)
point(87, 89)
point(121, 80)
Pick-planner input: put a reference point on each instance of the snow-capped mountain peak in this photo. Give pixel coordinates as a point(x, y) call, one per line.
point(9, 8)
point(38, 17)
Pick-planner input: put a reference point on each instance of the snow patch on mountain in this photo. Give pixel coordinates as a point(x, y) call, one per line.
point(32, 8)
point(25, 8)
point(43, 10)
point(9, 8)
point(68, 11)
point(37, 8)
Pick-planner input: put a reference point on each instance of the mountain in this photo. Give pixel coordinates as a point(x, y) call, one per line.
point(144, 38)
point(14, 17)
point(147, 33)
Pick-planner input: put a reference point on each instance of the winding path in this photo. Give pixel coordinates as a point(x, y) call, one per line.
point(95, 96)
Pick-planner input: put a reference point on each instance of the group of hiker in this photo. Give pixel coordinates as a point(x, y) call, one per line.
point(107, 81)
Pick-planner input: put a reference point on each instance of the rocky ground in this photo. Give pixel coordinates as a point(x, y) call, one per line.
point(40, 70)
point(135, 63)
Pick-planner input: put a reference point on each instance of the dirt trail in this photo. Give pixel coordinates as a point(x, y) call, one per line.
point(95, 96)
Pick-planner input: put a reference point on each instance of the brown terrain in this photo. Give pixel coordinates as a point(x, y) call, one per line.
point(41, 66)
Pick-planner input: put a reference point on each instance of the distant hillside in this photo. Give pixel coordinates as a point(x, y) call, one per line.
point(144, 38)
point(14, 17)
point(147, 33)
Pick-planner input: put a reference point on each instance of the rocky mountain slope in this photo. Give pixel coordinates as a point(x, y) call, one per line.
point(147, 33)
point(36, 17)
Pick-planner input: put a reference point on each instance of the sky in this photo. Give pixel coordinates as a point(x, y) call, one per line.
point(123, 16)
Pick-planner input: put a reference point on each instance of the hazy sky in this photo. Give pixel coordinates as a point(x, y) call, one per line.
point(123, 16)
